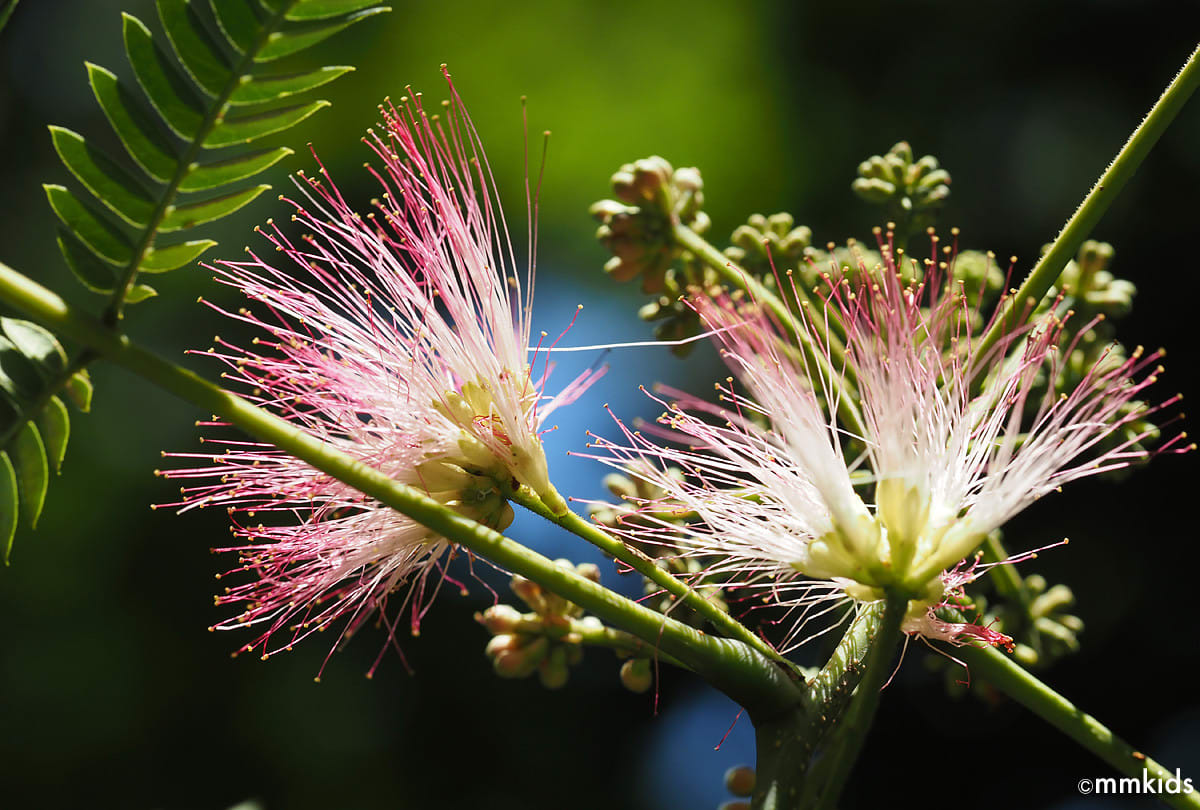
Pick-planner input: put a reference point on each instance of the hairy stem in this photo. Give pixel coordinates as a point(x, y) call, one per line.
point(828, 776)
point(610, 545)
point(1022, 686)
point(1047, 270)
point(742, 673)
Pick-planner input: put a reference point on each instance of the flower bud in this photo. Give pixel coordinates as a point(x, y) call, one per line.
point(499, 619)
point(636, 675)
point(739, 780)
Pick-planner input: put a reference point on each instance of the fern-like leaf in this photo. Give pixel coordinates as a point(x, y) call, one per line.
point(200, 89)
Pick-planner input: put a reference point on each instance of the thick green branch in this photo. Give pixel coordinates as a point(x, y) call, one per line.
point(825, 781)
point(742, 673)
point(996, 668)
point(1046, 272)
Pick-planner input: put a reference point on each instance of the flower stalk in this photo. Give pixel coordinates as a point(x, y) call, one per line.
point(610, 545)
point(1000, 671)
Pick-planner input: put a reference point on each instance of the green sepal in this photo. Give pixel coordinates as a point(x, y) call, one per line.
point(261, 89)
point(54, 424)
point(198, 52)
point(91, 272)
point(186, 216)
point(33, 475)
point(8, 504)
point(305, 35)
point(237, 22)
point(37, 344)
point(134, 125)
point(203, 176)
point(324, 9)
point(246, 128)
point(101, 236)
point(169, 92)
point(79, 390)
point(171, 257)
point(122, 193)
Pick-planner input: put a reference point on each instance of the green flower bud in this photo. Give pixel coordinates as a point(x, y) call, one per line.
point(636, 675)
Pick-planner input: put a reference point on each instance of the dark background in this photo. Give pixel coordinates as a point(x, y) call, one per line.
point(112, 693)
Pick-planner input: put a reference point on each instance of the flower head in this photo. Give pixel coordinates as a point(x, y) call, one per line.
point(399, 337)
point(952, 444)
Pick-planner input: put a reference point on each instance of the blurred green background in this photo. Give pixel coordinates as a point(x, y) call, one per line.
point(112, 693)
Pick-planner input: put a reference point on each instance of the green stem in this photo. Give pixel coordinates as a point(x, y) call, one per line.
point(825, 782)
point(786, 741)
point(1047, 270)
point(833, 367)
point(1000, 671)
point(645, 566)
point(742, 673)
point(621, 642)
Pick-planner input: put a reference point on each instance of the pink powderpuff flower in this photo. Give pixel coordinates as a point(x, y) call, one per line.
point(400, 338)
point(778, 501)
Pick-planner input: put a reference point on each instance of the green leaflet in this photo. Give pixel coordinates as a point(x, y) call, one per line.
point(324, 9)
point(261, 89)
point(238, 22)
point(201, 177)
point(196, 48)
point(8, 504)
point(297, 38)
point(101, 236)
point(54, 424)
point(169, 92)
point(28, 455)
point(192, 214)
point(171, 257)
point(91, 272)
point(148, 145)
point(246, 128)
point(121, 192)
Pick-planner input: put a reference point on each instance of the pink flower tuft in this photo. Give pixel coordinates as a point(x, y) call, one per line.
point(399, 337)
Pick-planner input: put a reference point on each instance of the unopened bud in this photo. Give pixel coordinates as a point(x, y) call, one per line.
point(739, 780)
point(636, 675)
point(499, 619)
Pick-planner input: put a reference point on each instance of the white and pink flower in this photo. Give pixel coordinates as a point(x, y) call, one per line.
point(950, 446)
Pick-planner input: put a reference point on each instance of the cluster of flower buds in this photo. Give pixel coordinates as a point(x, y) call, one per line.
point(674, 319)
point(545, 640)
point(652, 197)
point(1037, 620)
point(1091, 287)
point(739, 781)
point(910, 189)
point(1095, 297)
point(766, 245)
